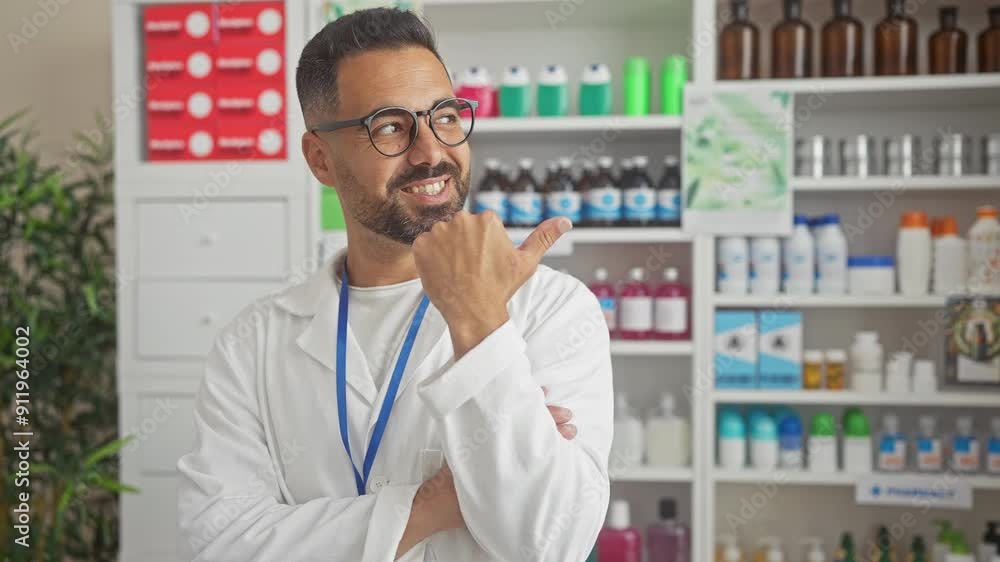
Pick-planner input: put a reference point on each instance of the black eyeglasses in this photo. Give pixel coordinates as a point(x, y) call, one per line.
point(392, 130)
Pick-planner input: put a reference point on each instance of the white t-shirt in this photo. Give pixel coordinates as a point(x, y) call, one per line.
point(379, 318)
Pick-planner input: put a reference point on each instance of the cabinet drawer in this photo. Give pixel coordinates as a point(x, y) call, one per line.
point(179, 320)
point(222, 239)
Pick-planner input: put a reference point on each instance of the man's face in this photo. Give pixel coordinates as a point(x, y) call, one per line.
point(383, 193)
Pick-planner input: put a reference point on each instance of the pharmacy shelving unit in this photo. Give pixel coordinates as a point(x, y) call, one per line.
point(822, 504)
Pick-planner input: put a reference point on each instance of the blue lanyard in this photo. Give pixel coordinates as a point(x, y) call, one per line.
point(361, 480)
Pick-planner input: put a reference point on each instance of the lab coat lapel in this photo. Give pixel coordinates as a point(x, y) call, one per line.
point(319, 340)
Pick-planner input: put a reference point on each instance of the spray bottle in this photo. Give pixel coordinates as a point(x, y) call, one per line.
point(846, 551)
point(814, 550)
point(942, 543)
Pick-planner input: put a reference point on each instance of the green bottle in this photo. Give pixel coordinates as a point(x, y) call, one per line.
point(918, 551)
point(595, 90)
point(637, 86)
point(515, 92)
point(673, 76)
point(846, 551)
point(553, 92)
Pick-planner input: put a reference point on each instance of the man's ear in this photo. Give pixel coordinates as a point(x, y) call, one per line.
point(316, 153)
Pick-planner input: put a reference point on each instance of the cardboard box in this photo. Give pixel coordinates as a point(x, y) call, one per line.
point(179, 141)
point(780, 351)
point(240, 61)
point(179, 24)
point(972, 341)
point(254, 100)
point(251, 21)
point(188, 65)
point(253, 139)
point(735, 349)
point(181, 103)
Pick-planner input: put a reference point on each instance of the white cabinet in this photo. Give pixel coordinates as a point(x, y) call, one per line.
point(230, 239)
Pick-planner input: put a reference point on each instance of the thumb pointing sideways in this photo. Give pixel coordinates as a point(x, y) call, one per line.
point(544, 236)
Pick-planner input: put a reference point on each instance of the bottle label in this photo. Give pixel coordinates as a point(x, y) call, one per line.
point(668, 205)
point(637, 314)
point(671, 315)
point(929, 454)
point(525, 208)
point(892, 453)
point(965, 456)
point(495, 201)
point(640, 204)
point(563, 204)
point(608, 308)
point(993, 456)
point(604, 204)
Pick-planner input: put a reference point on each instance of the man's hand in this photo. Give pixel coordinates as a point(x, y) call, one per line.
point(470, 269)
point(562, 417)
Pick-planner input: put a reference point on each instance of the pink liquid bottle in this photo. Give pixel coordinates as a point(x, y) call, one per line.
point(476, 84)
point(672, 308)
point(635, 321)
point(618, 542)
point(605, 293)
point(669, 541)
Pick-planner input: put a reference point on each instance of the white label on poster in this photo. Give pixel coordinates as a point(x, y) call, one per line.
point(944, 490)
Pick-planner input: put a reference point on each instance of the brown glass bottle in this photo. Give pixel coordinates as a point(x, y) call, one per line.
point(946, 48)
point(896, 42)
point(739, 46)
point(989, 43)
point(842, 43)
point(791, 44)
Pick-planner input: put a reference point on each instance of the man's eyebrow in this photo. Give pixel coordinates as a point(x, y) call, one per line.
point(434, 103)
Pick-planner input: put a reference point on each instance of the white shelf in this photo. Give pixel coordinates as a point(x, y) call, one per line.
point(613, 235)
point(969, 81)
point(658, 348)
point(964, 399)
point(653, 474)
point(806, 478)
point(896, 184)
point(585, 124)
point(827, 301)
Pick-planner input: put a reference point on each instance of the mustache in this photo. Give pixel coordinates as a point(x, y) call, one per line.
point(422, 173)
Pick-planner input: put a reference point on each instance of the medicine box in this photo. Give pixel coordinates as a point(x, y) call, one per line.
point(780, 350)
point(972, 341)
point(735, 349)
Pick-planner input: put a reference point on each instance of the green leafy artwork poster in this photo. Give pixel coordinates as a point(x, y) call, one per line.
point(737, 150)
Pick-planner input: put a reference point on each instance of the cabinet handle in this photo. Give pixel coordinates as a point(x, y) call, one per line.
point(208, 239)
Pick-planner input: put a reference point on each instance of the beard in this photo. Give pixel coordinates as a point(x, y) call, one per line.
point(391, 217)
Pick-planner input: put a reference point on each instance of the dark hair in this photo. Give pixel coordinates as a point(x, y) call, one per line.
point(353, 34)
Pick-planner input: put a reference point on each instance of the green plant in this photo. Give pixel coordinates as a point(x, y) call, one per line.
point(57, 280)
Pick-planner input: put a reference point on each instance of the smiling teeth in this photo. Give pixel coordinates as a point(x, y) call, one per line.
point(427, 189)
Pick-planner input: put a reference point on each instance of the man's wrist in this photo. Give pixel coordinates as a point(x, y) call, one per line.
point(470, 331)
point(419, 525)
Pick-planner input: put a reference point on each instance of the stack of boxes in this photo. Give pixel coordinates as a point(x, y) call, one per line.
point(758, 350)
point(215, 81)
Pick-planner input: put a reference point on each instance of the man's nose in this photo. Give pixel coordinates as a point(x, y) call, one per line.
point(427, 149)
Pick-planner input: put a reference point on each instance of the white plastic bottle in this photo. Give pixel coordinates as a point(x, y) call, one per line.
point(950, 268)
point(831, 256)
point(993, 448)
point(984, 252)
point(765, 265)
point(733, 265)
point(913, 254)
point(732, 440)
point(668, 436)
point(799, 254)
point(964, 447)
point(866, 363)
point(930, 456)
point(892, 446)
point(814, 549)
point(628, 442)
point(728, 549)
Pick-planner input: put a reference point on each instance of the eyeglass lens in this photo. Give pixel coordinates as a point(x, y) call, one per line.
point(393, 130)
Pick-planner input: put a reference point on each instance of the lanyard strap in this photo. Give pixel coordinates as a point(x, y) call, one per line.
point(361, 479)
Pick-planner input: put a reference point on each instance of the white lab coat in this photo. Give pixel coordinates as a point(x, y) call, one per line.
point(268, 479)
